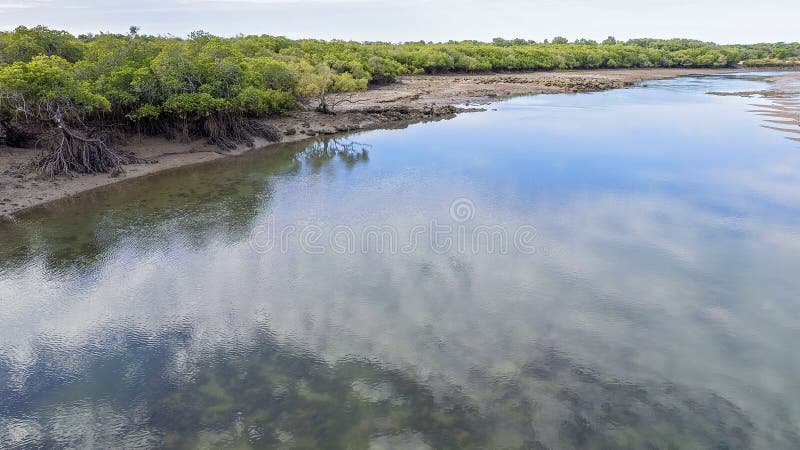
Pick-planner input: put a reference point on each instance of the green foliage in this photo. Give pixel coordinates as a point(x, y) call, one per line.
point(611, 40)
point(137, 77)
point(260, 102)
point(145, 112)
point(323, 84)
point(773, 62)
point(195, 104)
point(269, 73)
point(44, 85)
point(23, 44)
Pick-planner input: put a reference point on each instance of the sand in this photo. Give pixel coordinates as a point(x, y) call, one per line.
point(411, 99)
point(781, 107)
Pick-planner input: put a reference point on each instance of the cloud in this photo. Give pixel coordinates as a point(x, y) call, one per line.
point(274, 2)
point(9, 6)
point(412, 19)
point(5, 6)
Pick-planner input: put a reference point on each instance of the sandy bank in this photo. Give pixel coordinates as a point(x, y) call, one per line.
point(781, 107)
point(411, 99)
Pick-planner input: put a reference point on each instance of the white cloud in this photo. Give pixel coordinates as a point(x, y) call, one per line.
point(440, 20)
point(10, 6)
point(273, 2)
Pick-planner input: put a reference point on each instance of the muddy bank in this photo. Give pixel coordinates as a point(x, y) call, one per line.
point(411, 99)
point(780, 105)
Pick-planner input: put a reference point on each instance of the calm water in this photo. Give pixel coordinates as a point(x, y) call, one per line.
point(617, 269)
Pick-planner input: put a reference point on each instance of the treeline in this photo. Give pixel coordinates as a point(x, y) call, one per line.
point(215, 87)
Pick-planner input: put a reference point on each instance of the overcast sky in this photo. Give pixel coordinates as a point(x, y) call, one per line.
point(723, 21)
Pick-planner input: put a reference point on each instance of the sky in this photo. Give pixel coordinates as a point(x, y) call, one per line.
point(722, 21)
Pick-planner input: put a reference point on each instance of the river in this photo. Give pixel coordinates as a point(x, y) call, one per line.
point(614, 269)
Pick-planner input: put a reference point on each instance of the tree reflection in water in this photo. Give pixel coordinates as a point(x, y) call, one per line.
point(328, 148)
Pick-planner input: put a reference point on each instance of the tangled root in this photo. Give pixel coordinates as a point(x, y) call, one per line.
point(69, 152)
point(228, 132)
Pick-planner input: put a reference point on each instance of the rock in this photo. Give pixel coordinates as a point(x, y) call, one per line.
point(290, 132)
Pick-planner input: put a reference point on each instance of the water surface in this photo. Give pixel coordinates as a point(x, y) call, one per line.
point(646, 294)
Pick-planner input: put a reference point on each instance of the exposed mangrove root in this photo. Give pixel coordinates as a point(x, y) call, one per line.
point(69, 152)
point(227, 132)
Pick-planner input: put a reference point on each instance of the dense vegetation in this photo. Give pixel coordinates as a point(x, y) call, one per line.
point(82, 89)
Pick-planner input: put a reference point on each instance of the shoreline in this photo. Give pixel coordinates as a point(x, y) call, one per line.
point(411, 99)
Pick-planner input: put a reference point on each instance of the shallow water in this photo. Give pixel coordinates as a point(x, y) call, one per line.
point(616, 269)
